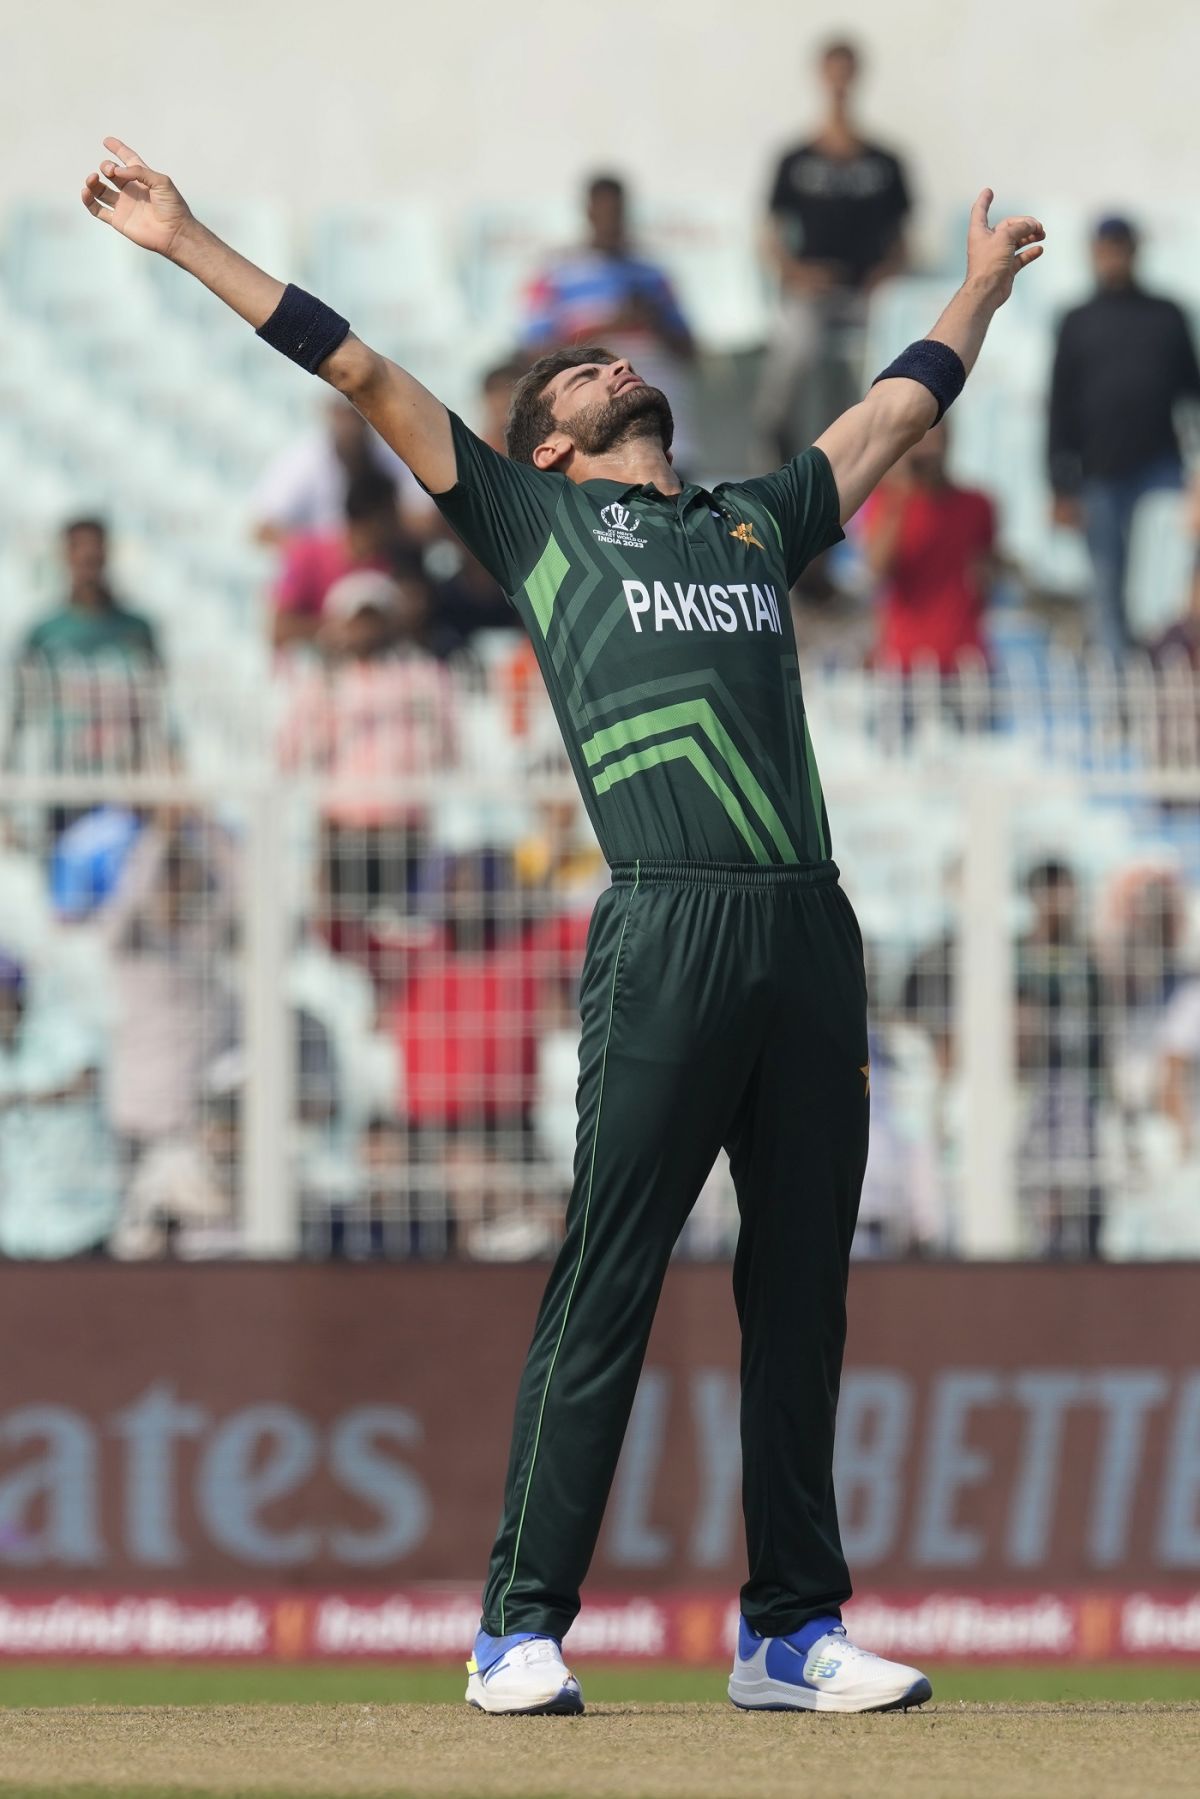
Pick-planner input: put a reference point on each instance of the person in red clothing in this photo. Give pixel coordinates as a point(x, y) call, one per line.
point(929, 544)
point(371, 538)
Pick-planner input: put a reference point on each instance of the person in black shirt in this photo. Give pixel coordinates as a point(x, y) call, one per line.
point(1060, 1016)
point(1124, 363)
point(837, 206)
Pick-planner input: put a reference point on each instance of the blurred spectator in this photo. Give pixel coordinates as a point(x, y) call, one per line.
point(1182, 639)
point(304, 490)
point(604, 293)
point(88, 693)
point(381, 713)
point(468, 1018)
point(1061, 1057)
point(58, 1192)
point(495, 397)
point(1179, 1068)
point(928, 996)
point(898, 1213)
point(1124, 362)
point(468, 598)
point(834, 628)
point(1142, 927)
point(837, 207)
point(929, 544)
point(169, 925)
point(192, 1184)
point(370, 537)
point(88, 859)
point(398, 1215)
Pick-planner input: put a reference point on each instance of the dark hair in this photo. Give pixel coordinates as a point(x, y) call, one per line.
point(840, 46)
point(1114, 228)
point(409, 565)
point(606, 184)
point(370, 495)
point(73, 525)
point(1048, 874)
point(531, 415)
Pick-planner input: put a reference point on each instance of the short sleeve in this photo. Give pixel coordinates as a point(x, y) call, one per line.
point(781, 199)
point(901, 192)
point(801, 501)
point(540, 322)
point(663, 296)
point(502, 510)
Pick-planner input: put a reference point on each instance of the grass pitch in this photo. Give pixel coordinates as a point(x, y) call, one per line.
point(101, 1732)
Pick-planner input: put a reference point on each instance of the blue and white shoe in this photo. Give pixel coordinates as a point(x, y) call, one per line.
point(521, 1675)
point(818, 1669)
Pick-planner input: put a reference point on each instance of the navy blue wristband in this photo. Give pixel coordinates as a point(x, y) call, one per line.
point(935, 365)
point(304, 329)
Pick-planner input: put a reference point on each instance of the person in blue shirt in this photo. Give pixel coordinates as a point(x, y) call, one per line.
point(602, 291)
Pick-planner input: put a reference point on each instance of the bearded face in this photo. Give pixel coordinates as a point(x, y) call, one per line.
point(636, 412)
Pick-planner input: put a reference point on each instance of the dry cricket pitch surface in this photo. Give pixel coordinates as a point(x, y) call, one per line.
point(1082, 1751)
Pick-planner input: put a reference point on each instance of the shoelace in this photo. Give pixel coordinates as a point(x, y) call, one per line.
point(848, 1651)
point(535, 1649)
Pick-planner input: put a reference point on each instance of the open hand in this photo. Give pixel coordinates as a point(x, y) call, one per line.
point(997, 253)
point(141, 204)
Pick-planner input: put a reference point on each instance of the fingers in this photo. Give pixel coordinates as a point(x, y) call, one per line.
point(134, 168)
point(1025, 257)
point(106, 195)
point(1022, 231)
point(98, 199)
point(979, 212)
point(133, 171)
point(122, 150)
point(94, 207)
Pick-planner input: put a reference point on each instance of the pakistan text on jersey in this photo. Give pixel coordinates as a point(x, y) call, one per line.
point(695, 607)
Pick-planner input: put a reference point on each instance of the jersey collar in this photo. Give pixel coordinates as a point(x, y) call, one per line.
point(618, 490)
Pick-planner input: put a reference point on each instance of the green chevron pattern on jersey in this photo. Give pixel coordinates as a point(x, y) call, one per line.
point(670, 719)
point(662, 628)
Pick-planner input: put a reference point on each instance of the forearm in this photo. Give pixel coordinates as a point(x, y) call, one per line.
point(254, 295)
point(964, 323)
point(247, 289)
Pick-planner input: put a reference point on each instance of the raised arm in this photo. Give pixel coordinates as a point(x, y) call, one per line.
point(864, 443)
point(146, 207)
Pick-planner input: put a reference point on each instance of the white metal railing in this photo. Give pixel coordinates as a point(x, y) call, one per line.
point(1033, 1048)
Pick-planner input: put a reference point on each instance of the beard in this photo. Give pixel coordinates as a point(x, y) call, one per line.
point(635, 413)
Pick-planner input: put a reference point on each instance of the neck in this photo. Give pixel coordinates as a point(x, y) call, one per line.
point(838, 132)
point(641, 463)
point(89, 596)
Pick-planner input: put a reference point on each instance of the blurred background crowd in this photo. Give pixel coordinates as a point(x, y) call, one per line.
point(294, 884)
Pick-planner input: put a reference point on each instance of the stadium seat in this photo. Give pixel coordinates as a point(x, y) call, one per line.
point(390, 260)
point(503, 246)
point(58, 265)
point(710, 250)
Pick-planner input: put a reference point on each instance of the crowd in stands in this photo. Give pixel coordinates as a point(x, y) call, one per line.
point(121, 1112)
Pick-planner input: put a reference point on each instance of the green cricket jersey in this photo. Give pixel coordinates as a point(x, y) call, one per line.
point(662, 628)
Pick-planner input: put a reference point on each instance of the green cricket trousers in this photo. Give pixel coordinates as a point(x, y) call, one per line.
point(722, 1006)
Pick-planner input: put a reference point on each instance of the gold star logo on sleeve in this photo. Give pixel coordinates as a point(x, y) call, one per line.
point(865, 1072)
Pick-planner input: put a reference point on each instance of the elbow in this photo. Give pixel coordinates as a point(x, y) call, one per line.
point(353, 369)
point(906, 411)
